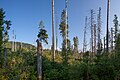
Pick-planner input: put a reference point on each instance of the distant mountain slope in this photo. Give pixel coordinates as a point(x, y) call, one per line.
point(19, 45)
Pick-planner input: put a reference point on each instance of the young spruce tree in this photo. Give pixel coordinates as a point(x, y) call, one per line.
point(2, 16)
point(63, 28)
point(115, 21)
point(4, 37)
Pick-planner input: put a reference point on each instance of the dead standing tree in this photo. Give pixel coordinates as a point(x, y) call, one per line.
point(94, 40)
point(99, 43)
point(13, 42)
point(39, 60)
point(92, 30)
point(85, 42)
point(107, 34)
point(56, 33)
point(53, 43)
point(112, 38)
point(104, 44)
point(42, 37)
point(66, 26)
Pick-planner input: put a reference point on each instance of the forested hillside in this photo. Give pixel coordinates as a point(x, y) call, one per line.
point(18, 45)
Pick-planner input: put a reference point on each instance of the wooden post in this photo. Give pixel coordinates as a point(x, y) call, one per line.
point(39, 60)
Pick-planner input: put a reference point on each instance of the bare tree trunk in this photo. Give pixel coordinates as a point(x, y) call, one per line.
point(99, 32)
point(53, 44)
point(104, 45)
point(84, 42)
point(39, 60)
point(111, 38)
point(56, 33)
point(66, 22)
point(13, 43)
point(94, 39)
point(92, 29)
point(5, 56)
point(107, 35)
point(15, 46)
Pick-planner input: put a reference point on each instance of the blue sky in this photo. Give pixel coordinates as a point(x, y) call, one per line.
point(26, 15)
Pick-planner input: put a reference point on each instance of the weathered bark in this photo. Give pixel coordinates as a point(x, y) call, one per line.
point(39, 60)
point(56, 33)
point(92, 47)
point(53, 44)
point(107, 35)
point(99, 32)
point(66, 25)
point(85, 42)
point(94, 40)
